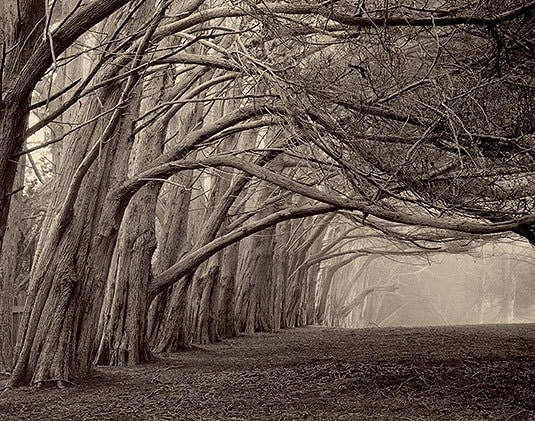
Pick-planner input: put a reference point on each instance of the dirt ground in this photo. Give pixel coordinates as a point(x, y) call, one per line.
point(438, 373)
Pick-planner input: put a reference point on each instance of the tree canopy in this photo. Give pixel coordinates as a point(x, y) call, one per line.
point(173, 130)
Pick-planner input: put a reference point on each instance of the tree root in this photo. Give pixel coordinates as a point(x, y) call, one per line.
point(59, 383)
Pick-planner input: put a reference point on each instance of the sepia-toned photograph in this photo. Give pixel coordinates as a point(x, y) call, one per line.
point(238, 210)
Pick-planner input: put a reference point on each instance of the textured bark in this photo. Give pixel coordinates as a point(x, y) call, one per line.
point(204, 303)
point(296, 310)
point(229, 265)
point(66, 284)
point(166, 312)
point(167, 327)
point(123, 318)
point(123, 323)
point(172, 333)
point(10, 267)
point(280, 273)
point(299, 302)
point(254, 301)
point(21, 27)
point(207, 289)
point(265, 318)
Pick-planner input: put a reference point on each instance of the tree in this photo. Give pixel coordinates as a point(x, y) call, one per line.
point(26, 56)
point(403, 149)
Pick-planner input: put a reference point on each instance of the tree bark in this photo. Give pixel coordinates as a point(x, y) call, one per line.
point(123, 323)
point(122, 330)
point(10, 268)
point(66, 284)
point(280, 273)
point(229, 264)
point(166, 312)
point(254, 302)
point(204, 302)
point(167, 327)
point(21, 26)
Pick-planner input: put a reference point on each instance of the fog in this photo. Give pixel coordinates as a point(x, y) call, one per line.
point(495, 283)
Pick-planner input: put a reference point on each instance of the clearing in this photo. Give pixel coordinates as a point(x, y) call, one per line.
point(314, 373)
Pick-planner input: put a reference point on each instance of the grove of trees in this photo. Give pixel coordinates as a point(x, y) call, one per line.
point(176, 172)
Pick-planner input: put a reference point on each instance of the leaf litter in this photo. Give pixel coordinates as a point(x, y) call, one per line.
point(482, 372)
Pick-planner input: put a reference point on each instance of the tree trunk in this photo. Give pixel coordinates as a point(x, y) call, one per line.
point(167, 328)
point(280, 273)
point(327, 277)
point(296, 294)
point(229, 266)
point(254, 302)
point(123, 319)
point(123, 322)
point(204, 303)
point(312, 284)
point(66, 284)
point(21, 26)
point(172, 334)
point(10, 267)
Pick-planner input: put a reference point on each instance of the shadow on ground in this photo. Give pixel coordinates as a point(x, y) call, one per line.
point(435, 373)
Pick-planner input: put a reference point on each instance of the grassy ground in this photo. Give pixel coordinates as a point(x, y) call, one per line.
point(443, 373)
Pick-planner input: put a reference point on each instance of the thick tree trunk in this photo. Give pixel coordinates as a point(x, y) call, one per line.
point(10, 267)
point(280, 273)
point(167, 327)
point(123, 323)
point(299, 300)
point(20, 30)
point(123, 319)
point(6, 313)
point(172, 333)
point(204, 302)
point(66, 284)
point(229, 265)
point(254, 302)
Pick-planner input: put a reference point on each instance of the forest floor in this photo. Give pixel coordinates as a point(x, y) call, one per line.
point(434, 373)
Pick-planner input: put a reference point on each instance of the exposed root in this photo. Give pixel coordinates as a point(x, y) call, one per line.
point(59, 383)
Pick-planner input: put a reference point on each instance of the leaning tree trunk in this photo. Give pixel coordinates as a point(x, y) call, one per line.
point(327, 276)
point(254, 301)
point(122, 328)
point(10, 262)
point(123, 324)
point(207, 288)
point(295, 312)
point(229, 266)
point(167, 328)
point(204, 302)
point(280, 273)
point(66, 284)
point(172, 334)
point(299, 301)
point(21, 28)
